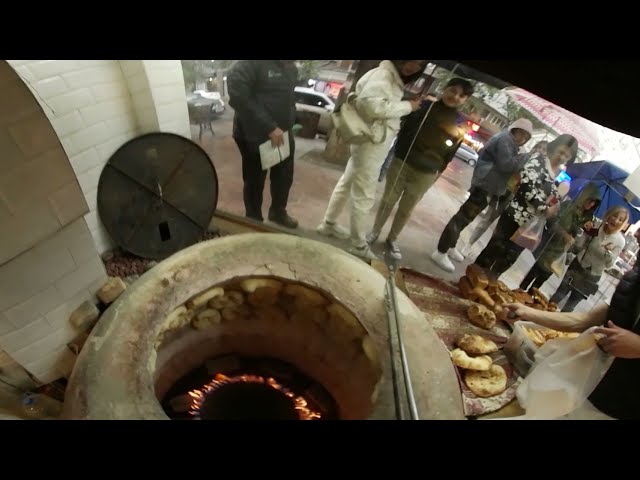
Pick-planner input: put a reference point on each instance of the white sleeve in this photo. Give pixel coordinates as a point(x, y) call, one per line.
point(619, 246)
point(374, 100)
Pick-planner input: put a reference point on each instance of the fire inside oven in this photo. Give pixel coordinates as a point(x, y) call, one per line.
point(259, 389)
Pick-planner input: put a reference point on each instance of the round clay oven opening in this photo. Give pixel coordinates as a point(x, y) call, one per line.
point(151, 338)
point(293, 346)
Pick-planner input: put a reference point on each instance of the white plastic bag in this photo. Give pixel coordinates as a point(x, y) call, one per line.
point(529, 235)
point(559, 264)
point(565, 373)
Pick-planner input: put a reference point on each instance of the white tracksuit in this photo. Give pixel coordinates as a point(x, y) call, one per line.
point(379, 97)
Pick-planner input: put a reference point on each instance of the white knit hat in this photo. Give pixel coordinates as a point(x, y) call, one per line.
point(522, 124)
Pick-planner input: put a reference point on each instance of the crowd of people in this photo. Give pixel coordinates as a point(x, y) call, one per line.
point(420, 137)
point(416, 139)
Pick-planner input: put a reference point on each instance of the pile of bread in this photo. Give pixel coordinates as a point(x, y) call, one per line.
point(480, 374)
point(477, 287)
point(540, 336)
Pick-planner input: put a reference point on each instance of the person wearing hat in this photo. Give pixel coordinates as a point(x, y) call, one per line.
point(493, 212)
point(537, 195)
point(426, 143)
point(497, 163)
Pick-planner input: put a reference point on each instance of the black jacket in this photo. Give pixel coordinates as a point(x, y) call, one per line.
point(618, 394)
point(430, 152)
point(262, 94)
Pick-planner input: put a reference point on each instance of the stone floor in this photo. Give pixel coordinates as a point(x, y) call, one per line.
point(314, 181)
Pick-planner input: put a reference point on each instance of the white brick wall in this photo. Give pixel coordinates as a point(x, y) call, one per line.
point(167, 89)
point(38, 291)
point(94, 106)
point(91, 110)
point(157, 88)
point(143, 105)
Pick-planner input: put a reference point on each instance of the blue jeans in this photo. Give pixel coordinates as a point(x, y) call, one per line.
point(387, 161)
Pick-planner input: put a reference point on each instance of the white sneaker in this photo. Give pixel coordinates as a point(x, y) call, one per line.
point(333, 230)
point(363, 252)
point(372, 237)
point(454, 254)
point(442, 260)
point(394, 249)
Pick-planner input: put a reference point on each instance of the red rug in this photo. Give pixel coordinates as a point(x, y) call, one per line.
point(446, 311)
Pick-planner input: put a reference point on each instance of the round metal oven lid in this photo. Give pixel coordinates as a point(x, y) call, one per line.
point(157, 194)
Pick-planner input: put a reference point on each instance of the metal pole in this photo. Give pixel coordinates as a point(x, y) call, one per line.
point(395, 378)
point(413, 408)
point(453, 71)
point(391, 291)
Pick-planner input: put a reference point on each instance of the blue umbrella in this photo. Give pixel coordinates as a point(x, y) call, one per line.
point(609, 180)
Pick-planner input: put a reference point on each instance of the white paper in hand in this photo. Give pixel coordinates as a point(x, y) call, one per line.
point(271, 156)
point(285, 151)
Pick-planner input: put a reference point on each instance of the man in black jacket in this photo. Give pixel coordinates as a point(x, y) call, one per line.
point(262, 94)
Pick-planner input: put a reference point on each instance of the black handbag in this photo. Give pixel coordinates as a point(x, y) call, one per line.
point(582, 280)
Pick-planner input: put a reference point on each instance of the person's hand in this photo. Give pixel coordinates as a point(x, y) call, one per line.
point(569, 240)
point(518, 311)
point(588, 225)
point(552, 210)
point(415, 104)
point(277, 137)
point(619, 342)
point(608, 246)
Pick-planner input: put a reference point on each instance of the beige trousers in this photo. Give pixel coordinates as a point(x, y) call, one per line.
point(405, 186)
point(358, 184)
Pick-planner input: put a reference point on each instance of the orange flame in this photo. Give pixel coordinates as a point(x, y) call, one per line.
point(305, 412)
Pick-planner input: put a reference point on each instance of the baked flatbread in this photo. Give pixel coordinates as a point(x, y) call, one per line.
point(477, 345)
point(487, 383)
point(232, 298)
point(304, 296)
point(206, 319)
point(261, 291)
point(462, 360)
point(252, 284)
point(481, 316)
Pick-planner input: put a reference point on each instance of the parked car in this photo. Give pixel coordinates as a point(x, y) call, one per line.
point(309, 100)
point(467, 154)
point(202, 97)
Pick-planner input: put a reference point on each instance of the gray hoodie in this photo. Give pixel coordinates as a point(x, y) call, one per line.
point(497, 162)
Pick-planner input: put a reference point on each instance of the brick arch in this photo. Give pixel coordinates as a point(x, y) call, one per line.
point(39, 192)
point(48, 259)
point(60, 121)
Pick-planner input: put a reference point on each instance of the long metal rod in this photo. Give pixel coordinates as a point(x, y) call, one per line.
point(413, 408)
point(395, 337)
point(395, 377)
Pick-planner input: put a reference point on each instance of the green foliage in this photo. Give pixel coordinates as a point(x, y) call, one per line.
point(308, 69)
point(195, 71)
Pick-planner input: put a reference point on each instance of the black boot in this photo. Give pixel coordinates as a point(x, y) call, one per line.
point(282, 218)
point(255, 218)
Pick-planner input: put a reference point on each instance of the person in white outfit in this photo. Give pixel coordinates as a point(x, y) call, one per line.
point(584, 273)
point(379, 100)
